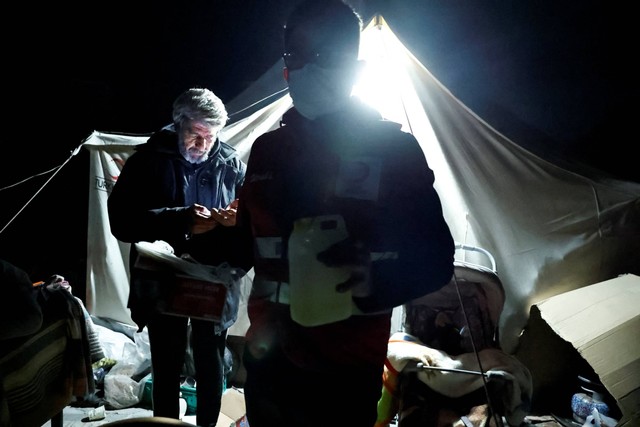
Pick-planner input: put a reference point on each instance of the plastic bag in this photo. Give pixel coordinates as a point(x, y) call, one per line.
point(596, 419)
point(123, 383)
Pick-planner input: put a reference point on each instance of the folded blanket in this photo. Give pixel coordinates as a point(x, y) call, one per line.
point(42, 372)
point(450, 380)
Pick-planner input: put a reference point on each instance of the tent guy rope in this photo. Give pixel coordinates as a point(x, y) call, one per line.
point(56, 169)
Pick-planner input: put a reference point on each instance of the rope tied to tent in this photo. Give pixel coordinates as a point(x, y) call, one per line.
point(55, 169)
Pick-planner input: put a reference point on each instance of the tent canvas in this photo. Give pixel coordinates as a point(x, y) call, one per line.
point(550, 229)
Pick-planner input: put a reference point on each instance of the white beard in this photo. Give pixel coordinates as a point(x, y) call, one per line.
point(192, 158)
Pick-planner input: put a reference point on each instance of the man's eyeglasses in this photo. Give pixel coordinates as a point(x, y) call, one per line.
point(295, 61)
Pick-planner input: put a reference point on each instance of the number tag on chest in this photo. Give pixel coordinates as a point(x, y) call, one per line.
point(359, 178)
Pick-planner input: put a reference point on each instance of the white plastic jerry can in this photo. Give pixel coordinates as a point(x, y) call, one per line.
point(313, 297)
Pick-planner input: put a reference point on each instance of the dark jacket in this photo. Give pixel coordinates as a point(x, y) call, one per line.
point(310, 168)
point(150, 202)
point(294, 172)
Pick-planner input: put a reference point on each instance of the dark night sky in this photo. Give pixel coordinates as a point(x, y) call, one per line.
point(554, 76)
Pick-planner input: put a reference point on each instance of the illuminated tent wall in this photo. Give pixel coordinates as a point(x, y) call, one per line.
point(550, 230)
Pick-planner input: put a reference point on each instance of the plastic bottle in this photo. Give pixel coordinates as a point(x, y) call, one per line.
point(313, 297)
point(583, 404)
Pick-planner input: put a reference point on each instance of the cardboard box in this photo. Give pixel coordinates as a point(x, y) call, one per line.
point(601, 322)
point(232, 410)
point(197, 299)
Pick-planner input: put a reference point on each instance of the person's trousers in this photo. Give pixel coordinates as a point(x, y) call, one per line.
point(279, 393)
point(168, 341)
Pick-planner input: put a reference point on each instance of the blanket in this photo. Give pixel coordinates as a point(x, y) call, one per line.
point(446, 375)
point(40, 373)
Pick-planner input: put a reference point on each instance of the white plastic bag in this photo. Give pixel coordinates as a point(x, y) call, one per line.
point(121, 389)
point(596, 419)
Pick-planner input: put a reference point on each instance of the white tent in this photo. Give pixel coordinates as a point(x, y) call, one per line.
point(549, 229)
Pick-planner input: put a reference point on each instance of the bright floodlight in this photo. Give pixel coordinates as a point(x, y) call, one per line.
point(384, 83)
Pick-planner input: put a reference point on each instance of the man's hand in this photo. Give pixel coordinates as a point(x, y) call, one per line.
point(201, 219)
point(226, 216)
point(354, 255)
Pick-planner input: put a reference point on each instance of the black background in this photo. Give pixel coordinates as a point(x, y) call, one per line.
point(557, 77)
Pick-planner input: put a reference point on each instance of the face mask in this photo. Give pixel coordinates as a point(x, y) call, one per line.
point(318, 91)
